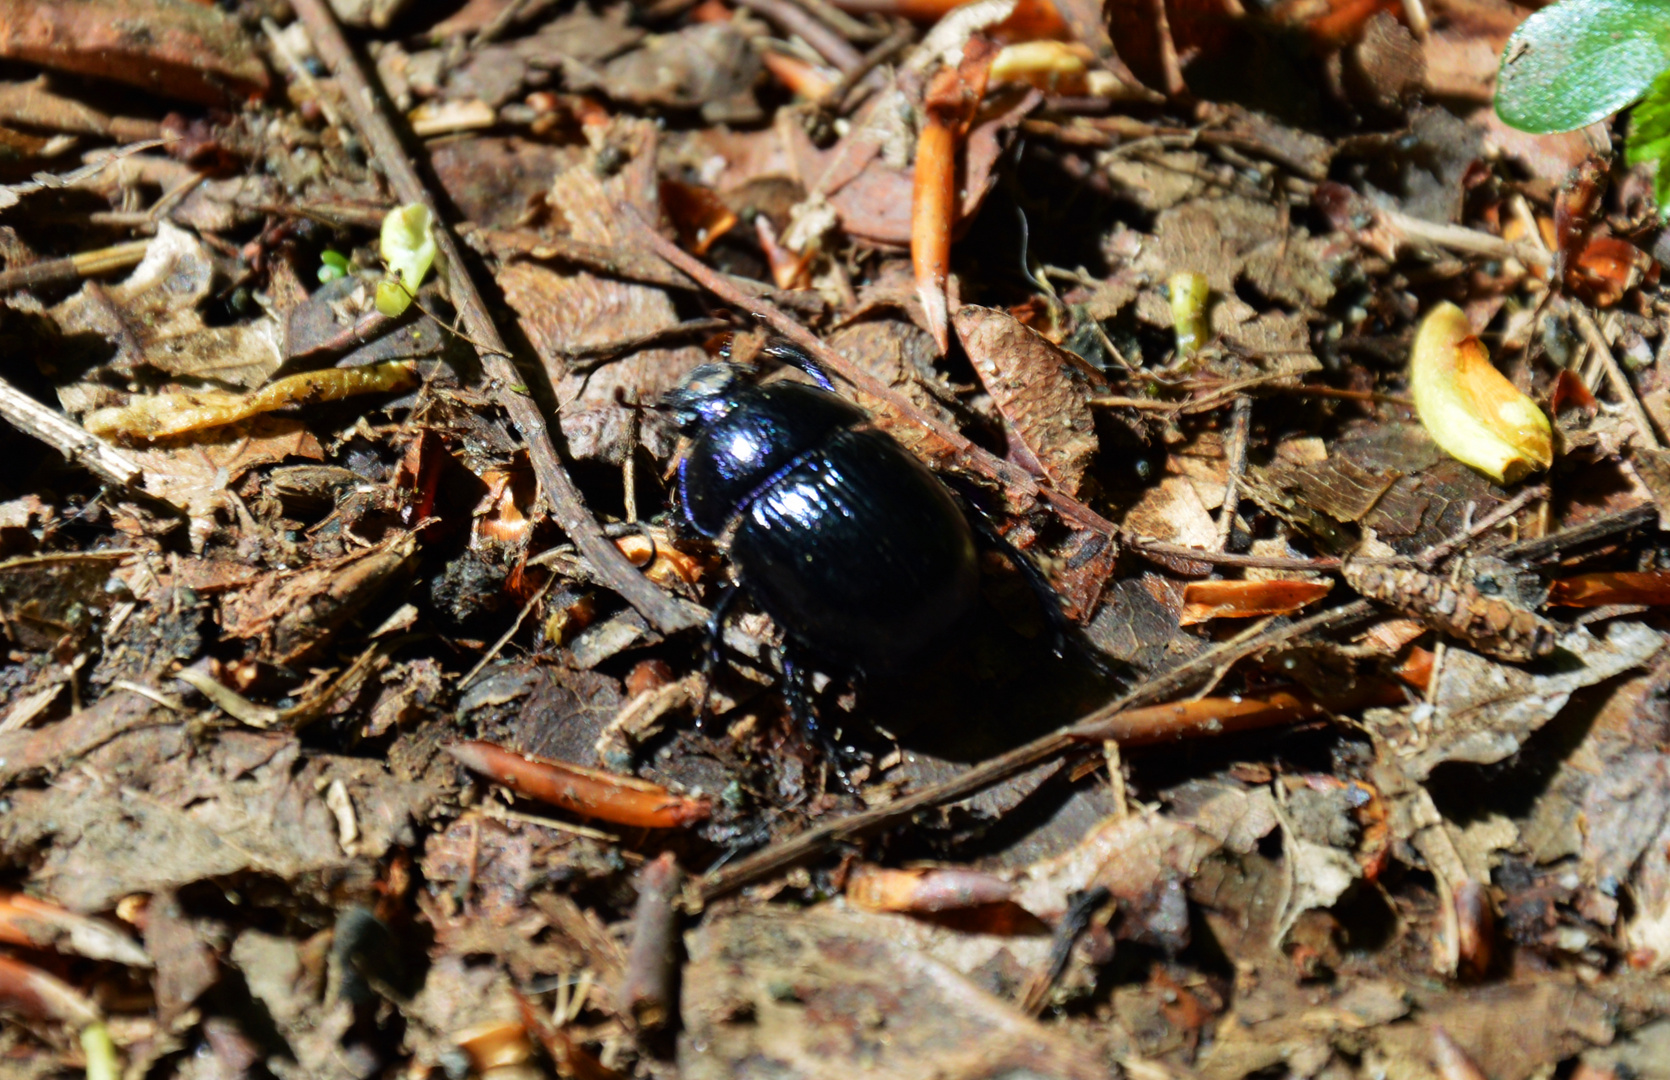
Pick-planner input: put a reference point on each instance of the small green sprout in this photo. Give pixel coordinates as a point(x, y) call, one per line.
point(332, 265)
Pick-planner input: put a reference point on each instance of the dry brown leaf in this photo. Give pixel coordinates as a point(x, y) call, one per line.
point(195, 476)
point(49, 600)
point(710, 66)
point(1235, 239)
point(294, 613)
point(153, 319)
point(866, 176)
point(187, 820)
point(786, 987)
point(1039, 390)
point(1486, 710)
point(1171, 511)
point(1144, 860)
point(563, 310)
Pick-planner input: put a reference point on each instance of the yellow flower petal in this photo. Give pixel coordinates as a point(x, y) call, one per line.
point(1468, 407)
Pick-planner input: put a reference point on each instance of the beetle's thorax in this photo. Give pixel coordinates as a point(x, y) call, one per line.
point(754, 433)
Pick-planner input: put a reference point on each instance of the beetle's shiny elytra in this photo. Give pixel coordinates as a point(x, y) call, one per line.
point(836, 531)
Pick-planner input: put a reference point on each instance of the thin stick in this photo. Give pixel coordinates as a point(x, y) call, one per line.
point(584, 356)
point(795, 20)
point(1099, 726)
point(1415, 12)
point(666, 613)
point(616, 262)
point(839, 21)
point(1240, 425)
point(1419, 231)
point(1114, 401)
point(884, 51)
point(962, 449)
point(74, 267)
point(67, 437)
point(369, 326)
point(1615, 375)
point(1544, 548)
point(504, 638)
point(11, 193)
point(1335, 392)
point(1170, 63)
point(1438, 552)
point(499, 813)
point(650, 981)
point(1157, 549)
point(299, 72)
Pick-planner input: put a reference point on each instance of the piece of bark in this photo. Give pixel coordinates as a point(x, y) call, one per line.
point(175, 48)
point(649, 983)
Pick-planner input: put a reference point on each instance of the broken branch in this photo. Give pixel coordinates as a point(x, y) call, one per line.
point(666, 613)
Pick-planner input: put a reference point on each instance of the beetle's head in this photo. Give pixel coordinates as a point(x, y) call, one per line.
point(704, 397)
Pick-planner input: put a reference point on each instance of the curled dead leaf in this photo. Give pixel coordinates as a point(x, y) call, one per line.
point(878, 888)
point(160, 415)
point(1617, 587)
point(1205, 600)
point(1468, 407)
point(621, 800)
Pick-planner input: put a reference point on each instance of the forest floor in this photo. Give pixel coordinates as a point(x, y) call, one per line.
point(353, 658)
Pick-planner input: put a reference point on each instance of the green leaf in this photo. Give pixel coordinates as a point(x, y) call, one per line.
point(1649, 138)
point(332, 265)
point(1649, 124)
point(1578, 61)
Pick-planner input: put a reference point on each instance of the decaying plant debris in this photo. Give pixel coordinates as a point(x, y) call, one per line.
point(355, 649)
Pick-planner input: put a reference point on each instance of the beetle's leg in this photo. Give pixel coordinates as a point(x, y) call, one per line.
point(797, 689)
point(715, 649)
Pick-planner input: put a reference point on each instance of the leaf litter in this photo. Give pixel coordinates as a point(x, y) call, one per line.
point(341, 736)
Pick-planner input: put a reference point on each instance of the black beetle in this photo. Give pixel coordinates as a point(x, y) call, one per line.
point(859, 553)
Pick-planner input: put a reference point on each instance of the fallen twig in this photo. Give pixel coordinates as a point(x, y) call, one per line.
point(648, 983)
point(74, 267)
point(797, 21)
point(885, 50)
point(1115, 721)
point(27, 989)
point(1240, 426)
point(11, 194)
point(1545, 548)
point(1158, 550)
point(1419, 232)
point(585, 356)
point(1442, 550)
point(1615, 375)
point(964, 451)
point(24, 920)
point(666, 613)
point(67, 437)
